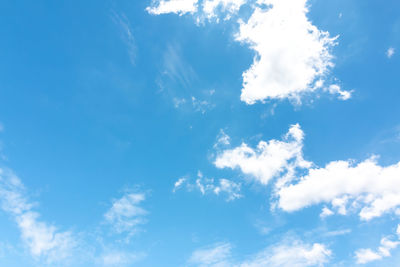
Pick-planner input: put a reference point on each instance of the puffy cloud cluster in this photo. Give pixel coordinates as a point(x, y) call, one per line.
point(269, 159)
point(367, 188)
point(293, 57)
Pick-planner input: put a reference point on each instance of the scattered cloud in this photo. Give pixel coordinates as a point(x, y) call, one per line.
point(229, 189)
point(127, 35)
point(293, 57)
point(229, 7)
point(178, 102)
point(292, 54)
point(172, 6)
point(364, 256)
point(216, 255)
point(176, 68)
point(390, 52)
point(335, 89)
point(269, 159)
point(338, 232)
point(119, 258)
point(201, 106)
point(366, 186)
point(294, 254)
point(45, 242)
point(125, 214)
point(222, 139)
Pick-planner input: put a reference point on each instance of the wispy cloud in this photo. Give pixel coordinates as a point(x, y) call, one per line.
point(127, 34)
point(126, 215)
point(285, 254)
point(204, 185)
point(176, 68)
point(45, 241)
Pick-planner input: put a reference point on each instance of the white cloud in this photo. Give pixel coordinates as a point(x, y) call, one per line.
point(294, 254)
point(119, 258)
point(229, 189)
point(173, 6)
point(222, 139)
point(122, 21)
point(390, 52)
point(335, 89)
point(210, 7)
point(201, 106)
point(178, 184)
point(269, 159)
point(367, 255)
point(44, 241)
point(293, 55)
point(216, 256)
point(367, 186)
point(176, 68)
point(125, 214)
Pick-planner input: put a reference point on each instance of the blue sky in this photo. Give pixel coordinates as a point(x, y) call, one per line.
point(204, 133)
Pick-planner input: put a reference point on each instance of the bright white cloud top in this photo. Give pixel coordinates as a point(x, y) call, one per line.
point(293, 57)
point(269, 159)
point(367, 188)
point(173, 6)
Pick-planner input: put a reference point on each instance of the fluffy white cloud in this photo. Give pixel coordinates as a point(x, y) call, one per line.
point(390, 52)
point(125, 214)
point(229, 189)
point(367, 186)
point(335, 89)
point(293, 55)
point(367, 255)
point(295, 254)
point(44, 241)
point(269, 159)
point(173, 6)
